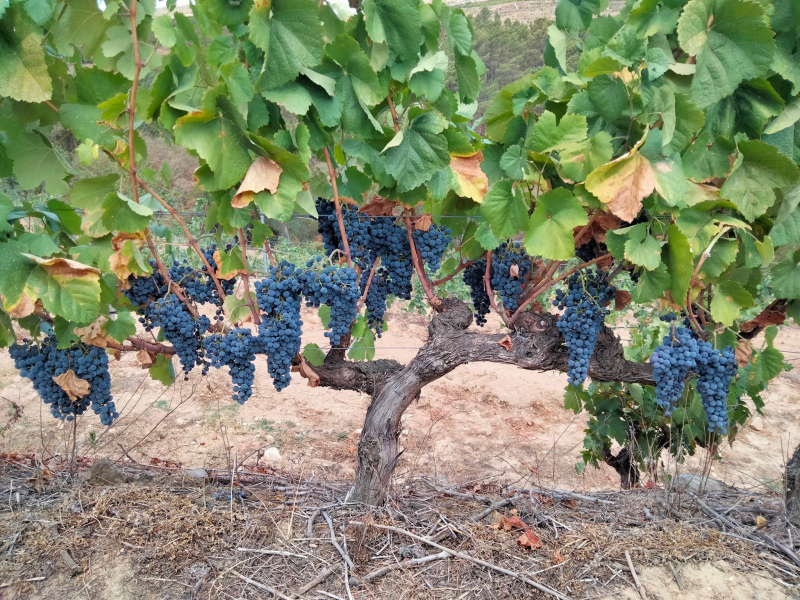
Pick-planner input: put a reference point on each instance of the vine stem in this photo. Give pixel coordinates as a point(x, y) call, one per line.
point(394, 113)
point(338, 205)
point(706, 254)
point(246, 279)
point(447, 278)
point(137, 68)
point(192, 241)
point(548, 284)
point(415, 259)
point(363, 299)
point(488, 285)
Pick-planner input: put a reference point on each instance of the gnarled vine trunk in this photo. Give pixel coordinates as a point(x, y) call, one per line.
point(535, 344)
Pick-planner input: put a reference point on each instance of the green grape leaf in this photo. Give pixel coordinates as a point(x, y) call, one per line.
point(548, 136)
point(786, 278)
point(82, 25)
point(123, 214)
point(651, 285)
point(427, 78)
point(36, 160)
point(641, 248)
point(576, 161)
point(280, 206)
point(514, 162)
point(395, 22)
point(420, 153)
point(38, 244)
point(759, 169)
point(121, 328)
point(550, 230)
point(786, 229)
point(505, 210)
point(238, 81)
point(162, 370)
point(576, 15)
point(88, 195)
point(457, 28)
point(363, 348)
point(290, 34)
point(23, 72)
point(220, 140)
point(486, 237)
point(728, 301)
point(469, 83)
point(722, 256)
point(731, 41)
point(164, 31)
point(680, 263)
point(649, 17)
point(314, 355)
point(66, 288)
point(356, 68)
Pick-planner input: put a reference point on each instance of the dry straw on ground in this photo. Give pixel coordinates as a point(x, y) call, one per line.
point(174, 534)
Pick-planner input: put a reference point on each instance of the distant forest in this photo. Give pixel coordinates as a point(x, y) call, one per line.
point(509, 49)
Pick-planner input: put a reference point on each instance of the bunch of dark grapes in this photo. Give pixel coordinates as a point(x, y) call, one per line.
point(336, 287)
point(356, 226)
point(146, 288)
point(198, 285)
point(716, 370)
point(327, 226)
point(41, 363)
point(590, 250)
point(510, 266)
point(376, 299)
point(180, 328)
point(672, 361)
point(473, 277)
point(279, 296)
point(236, 350)
point(390, 241)
point(585, 310)
point(432, 244)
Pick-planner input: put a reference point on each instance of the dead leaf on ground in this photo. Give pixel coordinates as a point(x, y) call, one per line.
point(557, 558)
point(506, 343)
point(744, 352)
point(263, 174)
point(378, 207)
point(74, 386)
point(761, 522)
point(621, 299)
point(529, 540)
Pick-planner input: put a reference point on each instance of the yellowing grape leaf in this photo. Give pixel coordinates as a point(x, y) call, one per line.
point(469, 180)
point(623, 183)
point(263, 174)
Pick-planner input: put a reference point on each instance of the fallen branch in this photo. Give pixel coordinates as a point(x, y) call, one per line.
point(260, 586)
point(639, 586)
point(467, 557)
point(406, 563)
point(316, 581)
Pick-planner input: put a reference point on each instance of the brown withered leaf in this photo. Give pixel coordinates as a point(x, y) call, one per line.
point(116, 353)
point(506, 343)
point(378, 207)
point(423, 222)
point(557, 558)
point(93, 334)
point(146, 358)
point(263, 174)
point(137, 238)
point(75, 387)
point(744, 352)
point(771, 315)
point(512, 522)
point(307, 372)
point(529, 540)
point(602, 223)
point(621, 299)
point(623, 183)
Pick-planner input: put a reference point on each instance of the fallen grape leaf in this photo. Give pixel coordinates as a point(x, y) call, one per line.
point(74, 386)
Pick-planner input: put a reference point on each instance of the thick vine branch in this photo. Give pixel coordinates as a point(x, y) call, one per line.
point(338, 206)
point(363, 299)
